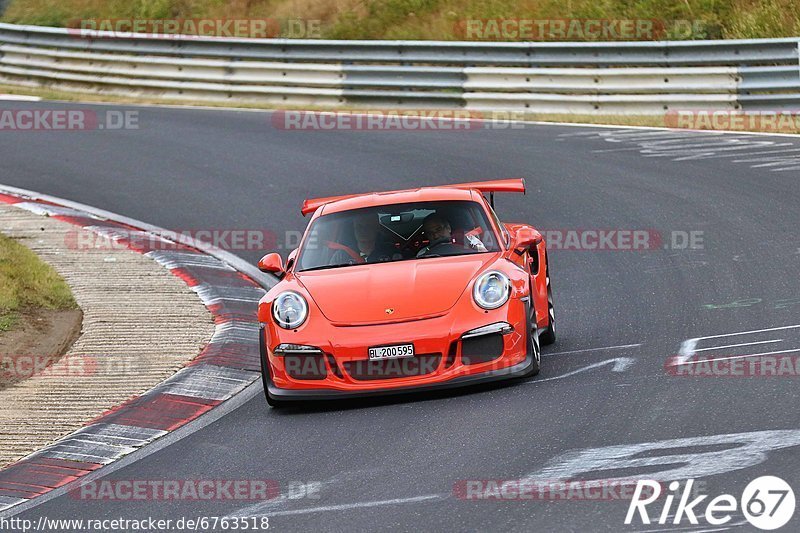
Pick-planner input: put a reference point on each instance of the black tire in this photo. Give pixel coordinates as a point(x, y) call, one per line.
point(272, 402)
point(548, 336)
point(534, 349)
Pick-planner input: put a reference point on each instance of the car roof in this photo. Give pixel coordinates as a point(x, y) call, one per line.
point(423, 194)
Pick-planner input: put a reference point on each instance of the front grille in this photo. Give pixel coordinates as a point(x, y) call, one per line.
point(309, 367)
point(481, 349)
point(404, 367)
point(451, 355)
point(333, 366)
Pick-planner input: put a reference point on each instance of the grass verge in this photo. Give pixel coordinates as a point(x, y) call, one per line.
point(27, 282)
point(435, 19)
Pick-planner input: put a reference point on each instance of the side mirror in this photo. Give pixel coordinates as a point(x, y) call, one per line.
point(291, 258)
point(272, 264)
point(527, 237)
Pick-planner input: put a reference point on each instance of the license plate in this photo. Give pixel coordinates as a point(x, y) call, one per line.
point(391, 352)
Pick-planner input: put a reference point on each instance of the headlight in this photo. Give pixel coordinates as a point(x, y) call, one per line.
point(491, 290)
point(289, 310)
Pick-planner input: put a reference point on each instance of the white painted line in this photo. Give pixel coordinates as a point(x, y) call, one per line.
point(637, 148)
point(737, 149)
point(635, 134)
point(19, 98)
point(737, 345)
point(653, 128)
point(735, 357)
point(689, 346)
point(360, 505)
point(699, 146)
point(592, 349)
point(781, 328)
point(7, 502)
point(777, 161)
point(621, 364)
point(760, 153)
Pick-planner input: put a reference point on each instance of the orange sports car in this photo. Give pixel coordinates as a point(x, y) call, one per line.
point(405, 291)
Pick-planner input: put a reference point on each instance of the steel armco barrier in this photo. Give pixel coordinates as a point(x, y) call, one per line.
point(601, 78)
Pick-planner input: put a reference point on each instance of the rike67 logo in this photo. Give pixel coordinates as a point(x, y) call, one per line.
point(767, 503)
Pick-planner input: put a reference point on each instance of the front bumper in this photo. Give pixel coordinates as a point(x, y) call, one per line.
point(518, 370)
point(431, 337)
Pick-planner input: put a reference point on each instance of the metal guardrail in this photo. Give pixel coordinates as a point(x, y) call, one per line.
point(608, 77)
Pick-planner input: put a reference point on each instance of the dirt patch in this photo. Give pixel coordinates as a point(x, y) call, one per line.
point(38, 339)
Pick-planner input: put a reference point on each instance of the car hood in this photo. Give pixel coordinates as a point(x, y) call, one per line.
point(392, 292)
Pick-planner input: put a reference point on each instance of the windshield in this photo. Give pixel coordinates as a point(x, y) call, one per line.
point(398, 232)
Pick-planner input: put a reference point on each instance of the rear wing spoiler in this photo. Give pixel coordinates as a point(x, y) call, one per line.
point(491, 187)
point(485, 187)
point(312, 204)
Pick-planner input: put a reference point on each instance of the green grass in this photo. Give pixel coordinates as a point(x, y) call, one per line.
point(430, 19)
point(26, 282)
point(7, 320)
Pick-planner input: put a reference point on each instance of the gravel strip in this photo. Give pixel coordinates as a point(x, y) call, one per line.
point(141, 324)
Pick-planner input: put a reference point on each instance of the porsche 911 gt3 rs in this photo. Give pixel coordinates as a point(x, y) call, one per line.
point(404, 291)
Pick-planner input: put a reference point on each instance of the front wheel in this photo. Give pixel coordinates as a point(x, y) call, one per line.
point(534, 350)
point(272, 402)
point(548, 336)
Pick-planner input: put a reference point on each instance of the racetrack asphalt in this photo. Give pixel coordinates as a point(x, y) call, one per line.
point(393, 463)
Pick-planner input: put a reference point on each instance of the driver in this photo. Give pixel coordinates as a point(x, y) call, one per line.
point(437, 228)
point(366, 228)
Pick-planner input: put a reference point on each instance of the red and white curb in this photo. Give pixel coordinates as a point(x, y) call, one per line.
point(228, 286)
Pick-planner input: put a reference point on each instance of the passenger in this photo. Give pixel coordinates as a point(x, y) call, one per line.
point(370, 248)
